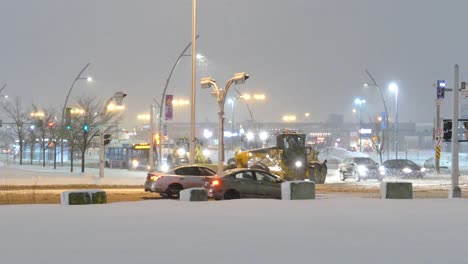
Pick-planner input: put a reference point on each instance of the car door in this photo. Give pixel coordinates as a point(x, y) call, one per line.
point(347, 167)
point(244, 182)
point(269, 186)
point(189, 177)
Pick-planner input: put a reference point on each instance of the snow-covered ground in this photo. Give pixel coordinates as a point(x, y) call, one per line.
point(326, 230)
point(37, 175)
point(330, 229)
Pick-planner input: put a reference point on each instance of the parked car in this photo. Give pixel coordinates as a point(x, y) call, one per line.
point(245, 183)
point(170, 183)
point(444, 164)
point(402, 168)
point(359, 168)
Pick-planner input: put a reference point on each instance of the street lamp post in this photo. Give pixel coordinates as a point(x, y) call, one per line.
point(163, 97)
point(208, 82)
point(78, 77)
point(394, 88)
point(360, 102)
point(118, 98)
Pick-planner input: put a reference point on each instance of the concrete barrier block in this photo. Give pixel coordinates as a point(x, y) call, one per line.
point(194, 195)
point(396, 190)
point(298, 190)
point(77, 197)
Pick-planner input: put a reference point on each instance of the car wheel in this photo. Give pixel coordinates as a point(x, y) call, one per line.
point(231, 194)
point(342, 176)
point(173, 191)
point(356, 175)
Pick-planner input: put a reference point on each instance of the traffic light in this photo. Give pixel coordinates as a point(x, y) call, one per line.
point(107, 139)
point(86, 128)
point(68, 118)
point(51, 124)
point(440, 89)
point(157, 139)
point(447, 130)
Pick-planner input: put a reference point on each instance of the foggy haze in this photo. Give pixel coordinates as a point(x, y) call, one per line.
point(305, 56)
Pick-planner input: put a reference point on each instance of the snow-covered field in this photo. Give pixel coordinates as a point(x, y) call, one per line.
point(326, 230)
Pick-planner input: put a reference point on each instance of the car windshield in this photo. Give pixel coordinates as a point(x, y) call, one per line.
point(409, 162)
point(365, 161)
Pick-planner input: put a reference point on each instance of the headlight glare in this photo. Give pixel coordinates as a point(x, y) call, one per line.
point(406, 170)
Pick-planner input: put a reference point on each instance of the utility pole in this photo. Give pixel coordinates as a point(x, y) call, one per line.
point(455, 191)
point(151, 141)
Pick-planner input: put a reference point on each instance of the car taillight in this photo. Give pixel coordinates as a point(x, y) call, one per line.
point(215, 183)
point(155, 178)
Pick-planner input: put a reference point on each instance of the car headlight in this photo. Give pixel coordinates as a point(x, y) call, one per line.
point(298, 164)
point(181, 152)
point(164, 168)
point(382, 170)
point(407, 170)
point(362, 169)
point(135, 163)
point(423, 170)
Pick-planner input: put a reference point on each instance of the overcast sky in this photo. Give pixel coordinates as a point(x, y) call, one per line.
point(305, 56)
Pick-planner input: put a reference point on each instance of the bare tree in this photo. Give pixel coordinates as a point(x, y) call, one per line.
point(20, 117)
point(378, 137)
point(46, 126)
point(85, 126)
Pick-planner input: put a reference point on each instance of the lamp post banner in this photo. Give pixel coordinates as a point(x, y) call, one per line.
point(384, 120)
point(168, 104)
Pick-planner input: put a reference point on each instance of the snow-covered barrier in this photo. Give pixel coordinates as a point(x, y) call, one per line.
point(396, 190)
point(194, 195)
point(297, 190)
point(83, 197)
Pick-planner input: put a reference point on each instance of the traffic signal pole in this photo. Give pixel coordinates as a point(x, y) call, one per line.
point(437, 136)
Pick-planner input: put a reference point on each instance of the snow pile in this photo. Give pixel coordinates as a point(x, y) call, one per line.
point(335, 154)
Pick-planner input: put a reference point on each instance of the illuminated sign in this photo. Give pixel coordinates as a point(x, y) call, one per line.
point(141, 146)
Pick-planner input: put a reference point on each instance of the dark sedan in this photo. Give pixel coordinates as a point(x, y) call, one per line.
point(245, 183)
point(402, 168)
point(359, 168)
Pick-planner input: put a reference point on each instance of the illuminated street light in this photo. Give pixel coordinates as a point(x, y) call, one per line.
point(393, 87)
point(144, 117)
point(220, 94)
point(180, 102)
point(78, 77)
point(289, 118)
point(37, 114)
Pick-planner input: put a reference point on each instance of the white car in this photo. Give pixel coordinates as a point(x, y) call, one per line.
point(169, 184)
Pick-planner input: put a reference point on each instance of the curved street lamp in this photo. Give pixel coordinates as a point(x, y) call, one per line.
point(161, 104)
point(220, 94)
point(78, 77)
